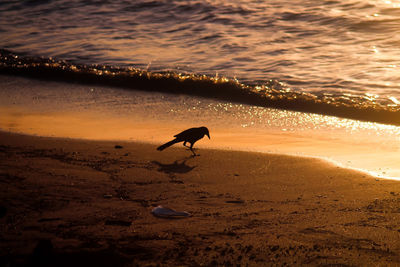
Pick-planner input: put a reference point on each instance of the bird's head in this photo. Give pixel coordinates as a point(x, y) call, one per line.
point(206, 132)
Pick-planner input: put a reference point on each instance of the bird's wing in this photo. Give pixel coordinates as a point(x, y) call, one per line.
point(184, 133)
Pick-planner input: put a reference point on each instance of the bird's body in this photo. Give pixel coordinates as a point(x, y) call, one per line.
point(190, 136)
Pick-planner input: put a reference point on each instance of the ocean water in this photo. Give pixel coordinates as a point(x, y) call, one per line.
point(338, 53)
point(309, 78)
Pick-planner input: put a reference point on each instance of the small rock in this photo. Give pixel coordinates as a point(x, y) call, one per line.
point(107, 196)
point(274, 248)
point(230, 233)
point(118, 147)
point(248, 248)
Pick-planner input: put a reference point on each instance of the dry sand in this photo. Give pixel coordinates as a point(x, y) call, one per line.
point(87, 203)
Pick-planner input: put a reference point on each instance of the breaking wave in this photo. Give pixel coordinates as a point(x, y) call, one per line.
point(269, 94)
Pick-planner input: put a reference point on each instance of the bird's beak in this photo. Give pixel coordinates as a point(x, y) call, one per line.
point(208, 136)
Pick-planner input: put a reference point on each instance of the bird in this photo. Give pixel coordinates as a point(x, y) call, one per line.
point(190, 136)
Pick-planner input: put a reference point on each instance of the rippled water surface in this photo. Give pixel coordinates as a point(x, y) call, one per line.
point(324, 47)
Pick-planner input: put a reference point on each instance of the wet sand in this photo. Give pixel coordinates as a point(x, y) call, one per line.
point(66, 202)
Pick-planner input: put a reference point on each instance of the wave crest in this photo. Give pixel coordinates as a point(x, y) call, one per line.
point(270, 94)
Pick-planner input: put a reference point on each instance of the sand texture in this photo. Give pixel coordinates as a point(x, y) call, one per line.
point(88, 203)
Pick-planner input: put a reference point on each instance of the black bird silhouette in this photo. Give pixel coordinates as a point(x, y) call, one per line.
point(191, 136)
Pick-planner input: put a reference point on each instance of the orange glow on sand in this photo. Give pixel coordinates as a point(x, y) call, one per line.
point(382, 161)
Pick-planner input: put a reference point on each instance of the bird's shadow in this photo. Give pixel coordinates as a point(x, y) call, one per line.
point(179, 166)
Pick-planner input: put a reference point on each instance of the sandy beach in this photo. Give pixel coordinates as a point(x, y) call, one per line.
point(67, 202)
point(299, 102)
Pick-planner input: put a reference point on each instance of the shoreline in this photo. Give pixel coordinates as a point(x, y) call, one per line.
point(104, 113)
point(88, 202)
point(327, 160)
point(146, 129)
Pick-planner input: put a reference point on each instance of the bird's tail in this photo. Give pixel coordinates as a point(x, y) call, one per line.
point(168, 144)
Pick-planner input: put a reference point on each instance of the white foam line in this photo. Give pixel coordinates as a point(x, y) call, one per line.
point(341, 165)
point(327, 159)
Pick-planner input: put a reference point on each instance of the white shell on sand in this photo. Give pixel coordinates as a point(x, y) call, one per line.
point(160, 211)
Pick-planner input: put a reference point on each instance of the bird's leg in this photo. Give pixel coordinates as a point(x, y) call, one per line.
point(191, 149)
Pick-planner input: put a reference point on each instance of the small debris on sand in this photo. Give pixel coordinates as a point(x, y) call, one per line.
point(162, 212)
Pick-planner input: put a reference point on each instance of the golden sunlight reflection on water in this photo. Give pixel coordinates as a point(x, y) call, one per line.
point(88, 112)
